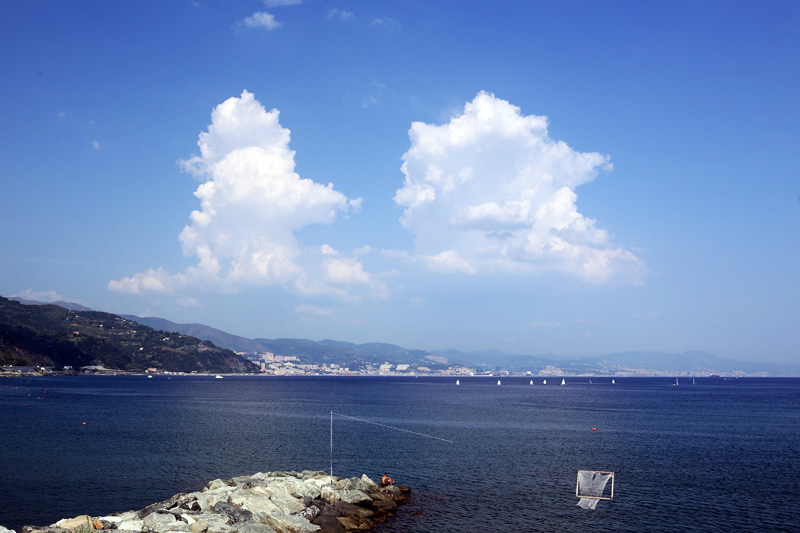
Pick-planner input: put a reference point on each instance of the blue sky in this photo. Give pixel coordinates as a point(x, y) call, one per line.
point(568, 178)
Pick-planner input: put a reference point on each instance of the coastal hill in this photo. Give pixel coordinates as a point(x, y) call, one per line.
point(52, 335)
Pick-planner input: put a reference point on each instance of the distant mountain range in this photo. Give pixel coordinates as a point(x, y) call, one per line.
point(357, 355)
point(307, 351)
point(354, 355)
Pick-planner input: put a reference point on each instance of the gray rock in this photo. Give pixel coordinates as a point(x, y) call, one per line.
point(354, 510)
point(130, 525)
point(215, 485)
point(353, 496)
point(329, 493)
point(285, 523)
point(233, 513)
point(384, 506)
point(198, 527)
point(329, 524)
point(252, 527)
point(256, 500)
point(287, 504)
point(368, 484)
point(169, 503)
point(164, 522)
point(309, 513)
point(327, 509)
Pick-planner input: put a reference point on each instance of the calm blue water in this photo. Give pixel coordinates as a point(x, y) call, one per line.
point(717, 456)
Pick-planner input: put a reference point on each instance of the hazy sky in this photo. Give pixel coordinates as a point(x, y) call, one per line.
point(537, 177)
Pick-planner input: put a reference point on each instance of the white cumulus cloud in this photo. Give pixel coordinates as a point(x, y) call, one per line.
point(260, 19)
point(251, 204)
point(490, 191)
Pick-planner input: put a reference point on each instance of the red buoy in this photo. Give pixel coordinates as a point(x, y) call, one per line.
point(594, 429)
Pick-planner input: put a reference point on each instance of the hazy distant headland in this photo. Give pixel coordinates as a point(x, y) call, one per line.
point(62, 334)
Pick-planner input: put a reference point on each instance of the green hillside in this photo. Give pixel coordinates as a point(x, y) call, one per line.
point(52, 335)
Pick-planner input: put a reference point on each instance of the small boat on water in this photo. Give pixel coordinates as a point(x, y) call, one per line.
point(563, 382)
point(531, 382)
point(217, 377)
point(498, 382)
point(458, 382)
point(149, 377)
point(544, 382)
point(613, 382)
point(676, 383)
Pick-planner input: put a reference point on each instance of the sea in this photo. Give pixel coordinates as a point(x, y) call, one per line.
point(709, 454)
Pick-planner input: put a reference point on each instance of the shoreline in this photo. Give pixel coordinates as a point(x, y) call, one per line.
point(271, 502)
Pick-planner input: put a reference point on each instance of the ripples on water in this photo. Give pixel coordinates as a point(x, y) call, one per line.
point(720, 455)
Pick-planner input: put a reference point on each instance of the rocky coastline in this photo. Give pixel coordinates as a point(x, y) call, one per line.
point(272, 502)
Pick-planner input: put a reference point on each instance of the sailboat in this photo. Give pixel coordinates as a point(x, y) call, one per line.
point(676, 383)
point(498, 382)
point(458, 382)
point(613, 382)
point(531, 382)
point(563, 382)
point(544, 382)
point(693, 382)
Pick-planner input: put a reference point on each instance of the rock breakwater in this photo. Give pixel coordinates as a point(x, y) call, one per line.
point(272, 502)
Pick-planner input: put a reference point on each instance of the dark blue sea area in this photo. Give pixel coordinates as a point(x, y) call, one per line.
point(718, 455)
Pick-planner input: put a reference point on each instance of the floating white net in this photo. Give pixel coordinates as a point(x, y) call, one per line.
point(591, 485)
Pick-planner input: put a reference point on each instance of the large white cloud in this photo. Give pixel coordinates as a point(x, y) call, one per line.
point(491, 191)
point(251, 204)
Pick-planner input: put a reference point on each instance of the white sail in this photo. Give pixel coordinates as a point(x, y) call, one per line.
point(563, 382)
point(531, 382)
point(498, 382)
point(544, 382)
point(613, 382)
point(458, 382)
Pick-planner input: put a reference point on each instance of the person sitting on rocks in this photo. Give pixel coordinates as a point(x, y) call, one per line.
point(386, 480)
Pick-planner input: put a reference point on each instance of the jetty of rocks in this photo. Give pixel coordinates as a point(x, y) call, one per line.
point(272, 502)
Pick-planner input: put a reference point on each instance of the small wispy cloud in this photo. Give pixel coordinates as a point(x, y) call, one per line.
point(260, 19)
point(39, 296)
point(312, 310)
point(187, 301)
point(341, 14)
point(375, 94)
point(61, 114)
point(544, 324)
point(388, 24)
point(95, 145)
point(282, 3)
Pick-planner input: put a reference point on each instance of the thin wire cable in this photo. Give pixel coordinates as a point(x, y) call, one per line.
point(383, 426)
